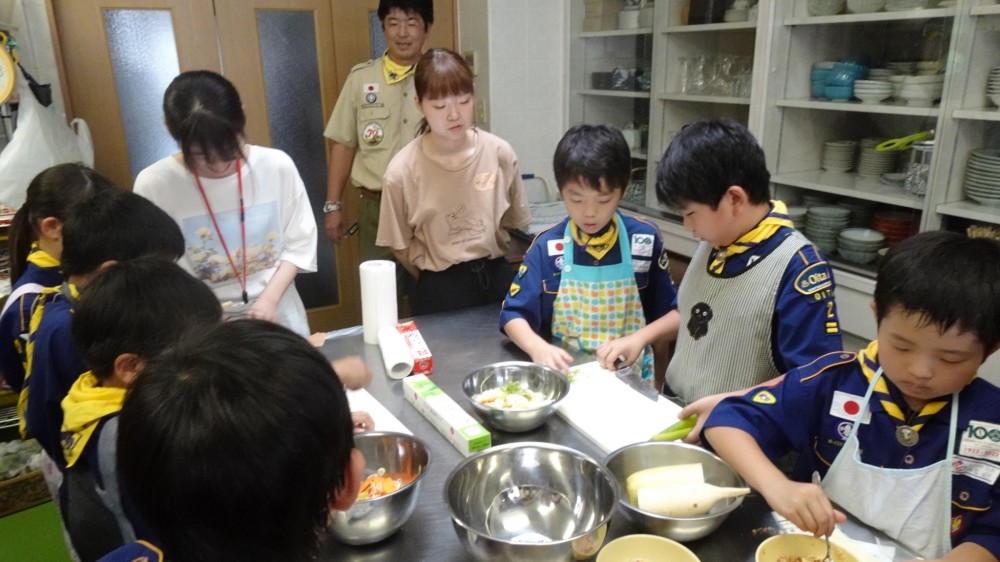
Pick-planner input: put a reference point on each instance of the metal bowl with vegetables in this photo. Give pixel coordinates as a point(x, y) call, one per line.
point(515, 396)
point(395, 467)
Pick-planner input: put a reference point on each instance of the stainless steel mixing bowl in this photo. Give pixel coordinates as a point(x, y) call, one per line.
point(546, 381)
point(651, 454)
point(369, 521)
point(530, 501)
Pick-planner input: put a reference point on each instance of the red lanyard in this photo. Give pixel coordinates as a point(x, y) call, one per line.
point(243, 229)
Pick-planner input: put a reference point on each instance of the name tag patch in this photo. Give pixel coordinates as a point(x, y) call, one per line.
point(642, 245)
point(981, 440)
point(641, 266)
point(847, 407)
point(979, 470)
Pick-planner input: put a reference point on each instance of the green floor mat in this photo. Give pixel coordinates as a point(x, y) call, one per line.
point(33, 535)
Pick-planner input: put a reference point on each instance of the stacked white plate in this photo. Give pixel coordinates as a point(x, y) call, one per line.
point(872, 91)
point(873, 164)
point(922, 90)
point(824, 223)
point(839, 155)
point(861, 211)
point(797, 215)
point(904, 5)
point(993, 86)
point(859, 245)
point(902, 67)
point(982, 176)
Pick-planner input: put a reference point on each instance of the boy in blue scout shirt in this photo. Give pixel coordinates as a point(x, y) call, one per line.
point(117, 226)
point(757, 298)
point(597, 275)
point(130, 312)
point(904, 431)
point(257, 483)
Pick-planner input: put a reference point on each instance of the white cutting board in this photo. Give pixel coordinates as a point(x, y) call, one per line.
point(609, 412)
point(362, 400)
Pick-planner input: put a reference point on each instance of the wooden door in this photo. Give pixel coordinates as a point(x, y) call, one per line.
point(287, 58)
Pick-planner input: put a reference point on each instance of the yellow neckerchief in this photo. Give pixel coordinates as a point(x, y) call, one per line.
point(47, 295)
point(890, 397)
point(40, 257)
point(394, 72)
point(598, 245)
point(86, 404)
point(777, 218)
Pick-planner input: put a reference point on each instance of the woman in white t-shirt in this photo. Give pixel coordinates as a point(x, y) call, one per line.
point(243, 209)
point(449, 196)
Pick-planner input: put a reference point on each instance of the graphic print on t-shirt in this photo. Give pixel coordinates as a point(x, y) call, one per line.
point(205, 252)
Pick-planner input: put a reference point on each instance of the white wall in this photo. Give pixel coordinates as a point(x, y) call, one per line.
point(526, 97)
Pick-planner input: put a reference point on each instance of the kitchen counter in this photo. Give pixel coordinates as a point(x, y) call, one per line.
point(461, 342)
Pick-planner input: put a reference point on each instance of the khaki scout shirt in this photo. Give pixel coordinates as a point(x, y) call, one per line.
point(376, 118)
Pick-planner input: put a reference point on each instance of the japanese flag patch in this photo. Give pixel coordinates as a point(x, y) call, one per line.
point(847, 407)
point(556, 246)
point(370, 88)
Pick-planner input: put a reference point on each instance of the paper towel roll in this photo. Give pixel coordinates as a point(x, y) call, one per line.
point(395, 353)
point(378, 297)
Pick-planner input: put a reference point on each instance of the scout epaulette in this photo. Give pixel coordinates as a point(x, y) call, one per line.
point(825, 362)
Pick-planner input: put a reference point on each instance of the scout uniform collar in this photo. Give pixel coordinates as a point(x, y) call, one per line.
point(86, 404)
point(776, 219)
point(908, 423)
point(394, 72)
point(597, 245)
point(40, 257)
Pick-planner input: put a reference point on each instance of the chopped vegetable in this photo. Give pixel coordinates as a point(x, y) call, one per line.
point(382, 484)
point(511, 396)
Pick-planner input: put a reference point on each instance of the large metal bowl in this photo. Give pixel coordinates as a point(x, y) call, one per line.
point(530, 501)
point(369, 521)
point(546, 381)
point(633, 458)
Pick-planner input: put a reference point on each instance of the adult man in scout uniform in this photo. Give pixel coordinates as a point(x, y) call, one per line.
point(374, 117)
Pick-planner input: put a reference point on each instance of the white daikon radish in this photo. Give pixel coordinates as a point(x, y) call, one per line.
point(684, 501)
point(680, 474)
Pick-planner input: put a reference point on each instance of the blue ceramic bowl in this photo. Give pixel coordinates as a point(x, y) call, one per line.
point(819, 74)
point(840, 78)
point(856, 70)
point(818, 89)
point(839, 92)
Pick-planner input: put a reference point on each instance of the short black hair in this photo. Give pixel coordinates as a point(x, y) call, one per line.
point(948, 278)
point(423, 8)
point(118, 225)
point(55, 192)
point(705, 159)
point(203, 111)
point(592, 152)
point(232, 444)
point(140, 306)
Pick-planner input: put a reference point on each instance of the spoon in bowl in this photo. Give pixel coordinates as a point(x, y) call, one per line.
point(816, 481)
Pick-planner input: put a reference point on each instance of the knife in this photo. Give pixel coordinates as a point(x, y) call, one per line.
point(626, 375)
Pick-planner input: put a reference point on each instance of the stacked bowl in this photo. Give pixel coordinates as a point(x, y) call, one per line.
point(824, 223)
point(982, 176)
point(993, 86)
point(896, 225)
point(798, 215)
point(825, 7)
point(864, 6)
point(840, 81)
point(839, 155)
point(818, 74)
point(872, 91)
point(902, 66)
point(922, 90)
point(859, 245)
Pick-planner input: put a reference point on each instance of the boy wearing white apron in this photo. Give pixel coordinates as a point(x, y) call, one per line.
point(903, 432)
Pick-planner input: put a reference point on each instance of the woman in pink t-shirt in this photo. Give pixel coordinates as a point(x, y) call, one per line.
point(449, 196)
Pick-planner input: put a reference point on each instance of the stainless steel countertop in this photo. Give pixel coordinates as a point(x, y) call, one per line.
point(461, 342)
